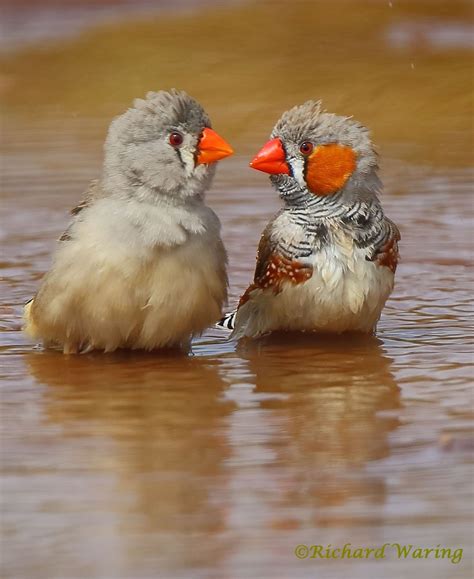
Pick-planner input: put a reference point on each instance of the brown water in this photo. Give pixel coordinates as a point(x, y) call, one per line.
point(219, 464)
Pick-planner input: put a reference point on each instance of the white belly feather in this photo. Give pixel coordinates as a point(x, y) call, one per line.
point(345, 293)
point(114, 286)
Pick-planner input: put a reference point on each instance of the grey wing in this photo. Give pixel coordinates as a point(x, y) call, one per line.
point(92, 193)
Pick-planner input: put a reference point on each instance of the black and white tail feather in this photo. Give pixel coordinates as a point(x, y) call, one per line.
point(228, 321)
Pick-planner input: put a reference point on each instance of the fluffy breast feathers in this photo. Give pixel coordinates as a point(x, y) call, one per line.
point(338, 287)
point(132, 275)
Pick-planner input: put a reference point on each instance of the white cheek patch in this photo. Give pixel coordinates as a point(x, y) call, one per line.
point(200, 170)
point(188, 160)
point(297, 167)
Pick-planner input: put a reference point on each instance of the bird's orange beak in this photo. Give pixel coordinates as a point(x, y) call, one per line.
point(212, 147)
point(271, 159)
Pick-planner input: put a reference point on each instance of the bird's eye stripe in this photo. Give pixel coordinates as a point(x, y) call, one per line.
point(290, 167)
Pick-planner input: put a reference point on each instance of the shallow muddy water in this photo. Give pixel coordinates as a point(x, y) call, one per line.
point(219, 464)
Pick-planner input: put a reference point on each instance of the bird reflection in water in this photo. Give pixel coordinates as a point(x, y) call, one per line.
point(328, 393)
point(155, 426)
point(235, 459)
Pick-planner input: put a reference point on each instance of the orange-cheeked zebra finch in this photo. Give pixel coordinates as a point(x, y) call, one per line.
point(326, 261)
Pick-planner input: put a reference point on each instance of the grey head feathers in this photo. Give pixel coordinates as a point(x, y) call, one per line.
point(309, 122)
point(158, 113)
point(140, 161)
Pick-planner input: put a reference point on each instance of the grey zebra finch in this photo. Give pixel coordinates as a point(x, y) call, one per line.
point(142, 265)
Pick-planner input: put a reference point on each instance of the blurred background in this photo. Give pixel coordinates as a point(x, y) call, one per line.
point(218, 465)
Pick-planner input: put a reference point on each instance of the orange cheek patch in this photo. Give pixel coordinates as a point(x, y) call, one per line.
point(328, 168)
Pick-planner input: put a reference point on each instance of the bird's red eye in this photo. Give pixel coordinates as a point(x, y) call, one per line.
point(306, 148)
point(176, 139)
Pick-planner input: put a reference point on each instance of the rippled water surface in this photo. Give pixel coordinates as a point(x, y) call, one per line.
point(219, 464)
